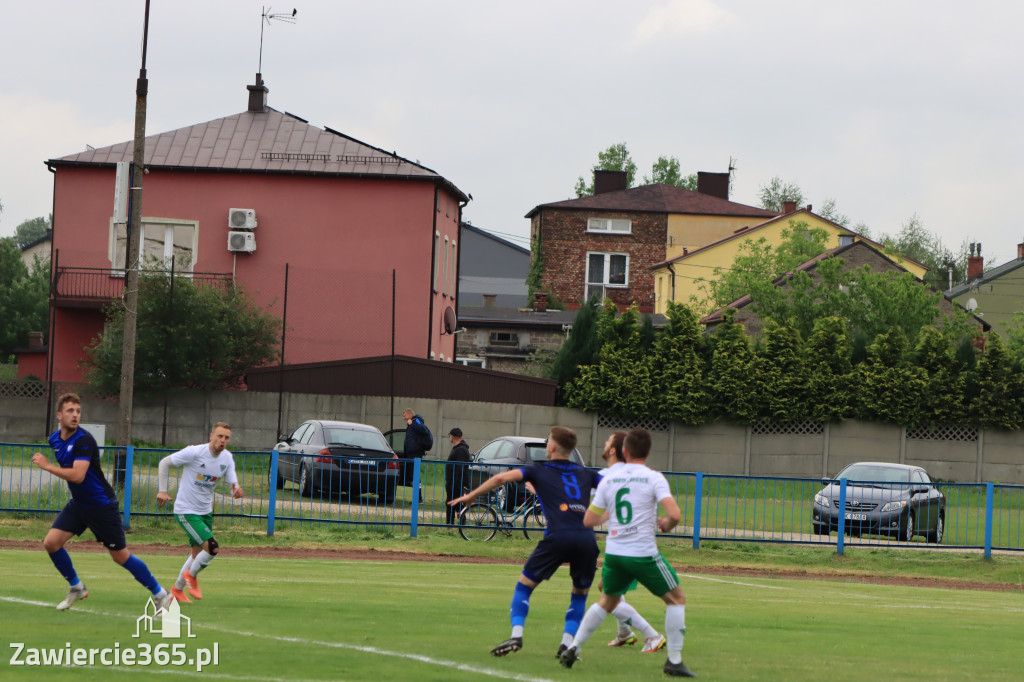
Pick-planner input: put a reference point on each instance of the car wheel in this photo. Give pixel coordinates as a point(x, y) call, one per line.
point(908, 531)
point(940, 528)
point(386, 492)
point(305, 482)
point(279, 483)
point(819, 529)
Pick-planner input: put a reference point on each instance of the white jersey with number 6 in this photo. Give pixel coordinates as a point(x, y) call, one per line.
point(202, 470)
point(630, 493)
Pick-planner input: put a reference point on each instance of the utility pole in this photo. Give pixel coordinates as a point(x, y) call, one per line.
point(131, 275)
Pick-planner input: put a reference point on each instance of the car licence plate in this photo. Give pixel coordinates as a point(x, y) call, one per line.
point(361, 462)
point(856, 517)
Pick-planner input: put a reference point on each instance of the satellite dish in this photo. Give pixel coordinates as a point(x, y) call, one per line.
point(971, 304)
point(449, 320)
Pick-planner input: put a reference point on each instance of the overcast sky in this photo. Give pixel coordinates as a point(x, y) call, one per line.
point(890, 108)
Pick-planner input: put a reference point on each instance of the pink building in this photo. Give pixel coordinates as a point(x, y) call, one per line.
point(246, 195)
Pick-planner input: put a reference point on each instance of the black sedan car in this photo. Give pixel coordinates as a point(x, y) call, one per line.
point(507, 452)
point(338, 458)
point(882, 499)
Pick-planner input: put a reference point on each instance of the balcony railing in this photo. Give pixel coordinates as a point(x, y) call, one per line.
point(95, 287)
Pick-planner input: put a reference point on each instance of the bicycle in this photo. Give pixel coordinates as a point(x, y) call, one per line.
point(481, 521)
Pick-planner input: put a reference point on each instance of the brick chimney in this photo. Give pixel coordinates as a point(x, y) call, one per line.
point(258, 95)
point(1020, 250)
point(35, 339)
point(788, 207)
point(489, 300)
point(540, 301)
point(609, 181)
point(975, 263)
point(713, 184)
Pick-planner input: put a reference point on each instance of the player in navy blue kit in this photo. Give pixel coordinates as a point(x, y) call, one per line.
point(564, 490)
point(93, 505)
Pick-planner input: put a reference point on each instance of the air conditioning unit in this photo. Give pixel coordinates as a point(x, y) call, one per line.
point(241, 241)
point(242, 219)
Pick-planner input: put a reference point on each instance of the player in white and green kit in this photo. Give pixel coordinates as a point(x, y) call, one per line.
point(204, 466)
point(627, 499)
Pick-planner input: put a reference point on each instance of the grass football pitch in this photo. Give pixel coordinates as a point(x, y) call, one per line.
point(313, 619)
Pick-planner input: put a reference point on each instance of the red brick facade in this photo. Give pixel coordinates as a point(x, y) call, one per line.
point(565, 244)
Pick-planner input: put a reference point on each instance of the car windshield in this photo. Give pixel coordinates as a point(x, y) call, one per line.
point(351, 438)
point(875, 473)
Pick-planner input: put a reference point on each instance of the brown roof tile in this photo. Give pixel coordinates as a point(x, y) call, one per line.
point(659, 198)
point(268, 142)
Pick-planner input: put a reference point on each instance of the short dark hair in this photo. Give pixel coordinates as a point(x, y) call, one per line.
point(565, 439)
point(68, 398)
point(617, 438)
point(220, 425)
point(638, 443)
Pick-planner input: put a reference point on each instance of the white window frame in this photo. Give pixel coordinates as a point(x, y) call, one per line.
point(168, 243)
point(446, 267)
point(454, 278)
point(587, 284)
point(438, 256)
point(610, 225)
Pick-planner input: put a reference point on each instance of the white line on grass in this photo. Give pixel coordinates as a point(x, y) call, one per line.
point(296, 640)
point(733, 582)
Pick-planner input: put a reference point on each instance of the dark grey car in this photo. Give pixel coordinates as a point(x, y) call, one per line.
point(338, 458)
point(882, 499)
point(507, 452)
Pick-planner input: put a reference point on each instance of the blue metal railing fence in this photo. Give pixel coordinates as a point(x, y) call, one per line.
point(986, 516)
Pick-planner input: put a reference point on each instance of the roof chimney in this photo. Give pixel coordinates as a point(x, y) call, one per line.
point(1020, 250)
point(975, 263)
point(540, 301)
point(610, 181)
point(714, 184)
point(489, 300)
point(258, 95)
point(35, 340)
point(788, 207)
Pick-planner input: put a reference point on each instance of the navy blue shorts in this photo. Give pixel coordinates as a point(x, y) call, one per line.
point(579, 550)
point(104, 522)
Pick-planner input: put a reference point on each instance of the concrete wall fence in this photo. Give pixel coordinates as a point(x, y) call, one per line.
point(798, 451)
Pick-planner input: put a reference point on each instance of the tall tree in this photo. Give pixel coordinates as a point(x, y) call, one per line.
point(829, 211)
point(916, 242)
point(782, 375)
point(666, 171)
point(31, 230)
point(777, 191)
point(945, 398)
point(24, 299)
point(581, 346)
point(999, 395)
point(829, 367)
point(681, 392)
point(615, 158)
point(731, 378)
point(888, 386)
point(199, 336)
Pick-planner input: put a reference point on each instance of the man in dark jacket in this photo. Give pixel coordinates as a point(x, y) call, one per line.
point(454, 472)
point(417, 441)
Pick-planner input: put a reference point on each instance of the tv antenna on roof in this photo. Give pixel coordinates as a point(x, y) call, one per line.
point(265, 19)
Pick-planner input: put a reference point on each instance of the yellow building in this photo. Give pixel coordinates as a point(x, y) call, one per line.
point(688, 267)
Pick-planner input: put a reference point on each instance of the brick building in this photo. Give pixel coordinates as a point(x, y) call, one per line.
point(604, 245)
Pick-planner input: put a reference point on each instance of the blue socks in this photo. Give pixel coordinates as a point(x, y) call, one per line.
point(141, 572)
point(62, 560)
point(574, 614)
point(520, 604)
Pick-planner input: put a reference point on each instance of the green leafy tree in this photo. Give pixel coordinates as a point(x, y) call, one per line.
point(201, 337)
point(535, 277)
point(615, 158)
point(731, 377)
point(829, 211)
point(31, 230)
point(581, 346)
point(621, 382)
point(829, 353)
point(1015, 335)
point(782, 376)
point(24, 299)
point(916, 242)
point(758, 263)
point(998, 388)
point(666, 171)
point(777, 191)
point(681, 392)
point(888, 387)
point(944, 398)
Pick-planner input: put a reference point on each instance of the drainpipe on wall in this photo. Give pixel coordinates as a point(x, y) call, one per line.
point(672, 282)
point(458, 271)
